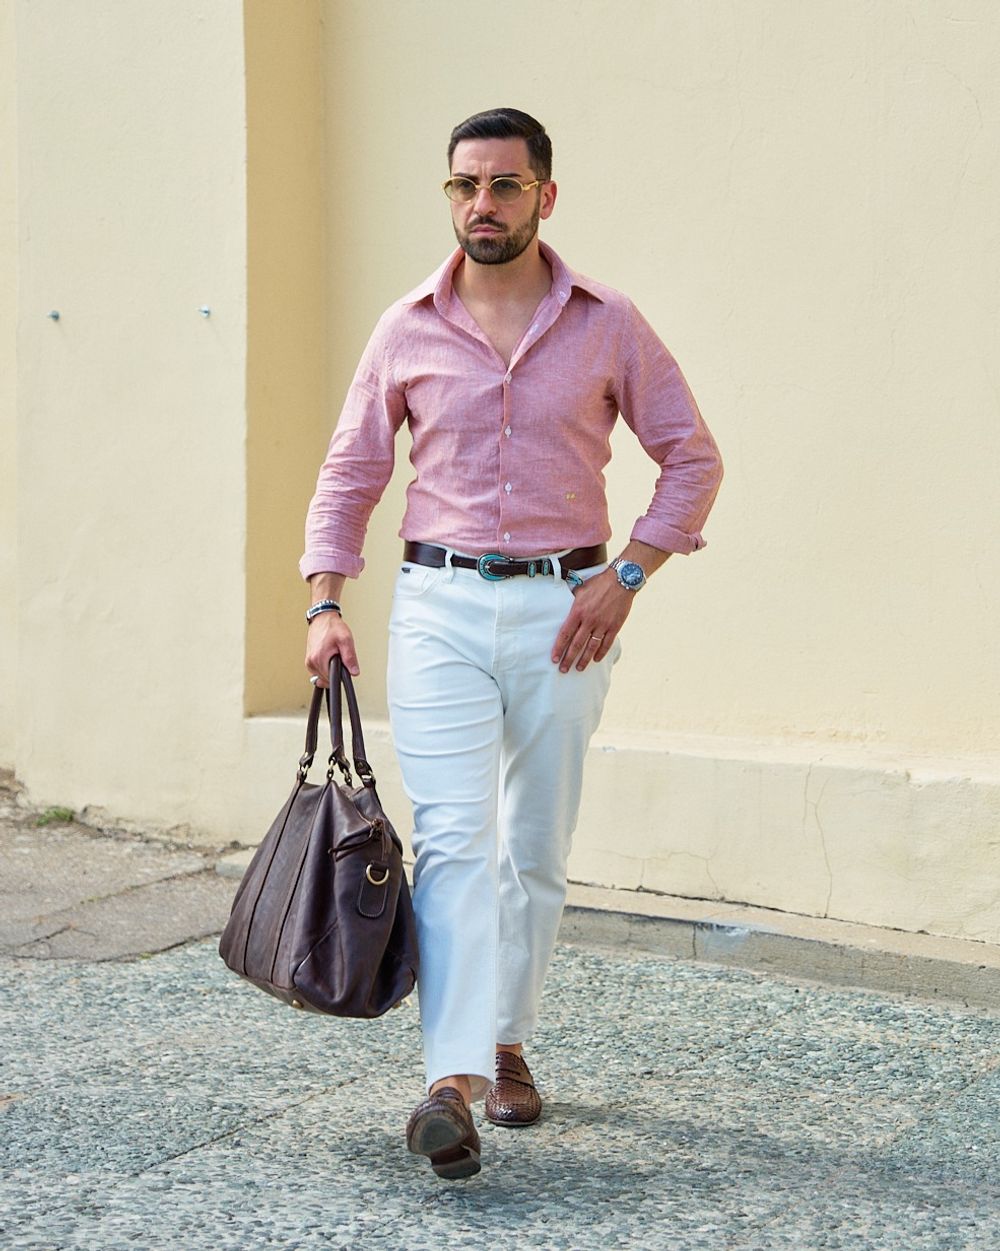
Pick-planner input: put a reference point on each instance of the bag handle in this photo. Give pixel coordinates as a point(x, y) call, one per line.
point(312, 734)
point(339, 681)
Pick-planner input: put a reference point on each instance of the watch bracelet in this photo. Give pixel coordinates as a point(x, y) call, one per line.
point(322, 606)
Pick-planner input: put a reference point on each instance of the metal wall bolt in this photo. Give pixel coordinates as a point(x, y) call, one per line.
point(54, 314)
point(205, 311)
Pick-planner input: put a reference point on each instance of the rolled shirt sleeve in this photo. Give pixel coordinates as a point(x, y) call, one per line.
point(358, 464)
point(656, 402)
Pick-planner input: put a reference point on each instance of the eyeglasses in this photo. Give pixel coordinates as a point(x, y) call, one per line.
point(504, 190)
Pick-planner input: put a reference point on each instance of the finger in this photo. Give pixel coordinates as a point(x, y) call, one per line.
point(334, 639)
point(568, 653)
point(343, 646)
point(590, 650)
point(576, 651)
point(349, 661)
point(350, 658)
point(605, 645)
point(567, 632)
point(318, 664)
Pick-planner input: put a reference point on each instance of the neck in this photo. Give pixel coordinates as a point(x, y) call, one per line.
point(526, 276)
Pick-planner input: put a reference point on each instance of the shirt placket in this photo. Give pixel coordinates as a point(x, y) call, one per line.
point(507, 510)
point(455, 313)
point(511, 475)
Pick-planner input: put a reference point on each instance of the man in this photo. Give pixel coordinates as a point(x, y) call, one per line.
point(509, 370)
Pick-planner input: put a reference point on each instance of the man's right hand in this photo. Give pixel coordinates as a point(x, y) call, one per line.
point(329, 635)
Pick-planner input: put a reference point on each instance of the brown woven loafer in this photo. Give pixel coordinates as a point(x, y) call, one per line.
point(442, 1128)
point(513, 1100)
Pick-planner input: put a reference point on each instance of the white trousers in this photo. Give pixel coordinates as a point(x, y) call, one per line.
point(491, 739)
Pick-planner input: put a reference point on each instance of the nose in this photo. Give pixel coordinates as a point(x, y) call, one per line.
point(483, 201)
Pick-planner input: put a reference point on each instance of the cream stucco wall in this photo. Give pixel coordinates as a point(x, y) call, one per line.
point(287, 386)
point(801, 198)
point(8, 386)
point(131, 407)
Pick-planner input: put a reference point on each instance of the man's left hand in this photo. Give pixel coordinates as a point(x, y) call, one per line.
point(600, 607)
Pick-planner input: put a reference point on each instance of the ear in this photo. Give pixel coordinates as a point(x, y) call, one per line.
point(548, 200)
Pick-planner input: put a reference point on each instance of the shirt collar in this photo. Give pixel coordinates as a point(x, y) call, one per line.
point(564, 279)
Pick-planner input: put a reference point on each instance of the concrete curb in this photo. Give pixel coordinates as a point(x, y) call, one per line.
point(834, 953)
point(831, 952)
point(235, 864)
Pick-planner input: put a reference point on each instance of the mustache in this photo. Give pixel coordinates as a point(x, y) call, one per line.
point(486, 221)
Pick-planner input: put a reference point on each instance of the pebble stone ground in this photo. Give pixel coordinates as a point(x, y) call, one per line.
point(150, 1099)
point(163, 1103)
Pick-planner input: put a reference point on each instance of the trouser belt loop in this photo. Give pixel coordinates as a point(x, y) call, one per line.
point(449, 554)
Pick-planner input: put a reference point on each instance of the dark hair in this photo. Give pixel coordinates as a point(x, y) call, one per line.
point(507, 124)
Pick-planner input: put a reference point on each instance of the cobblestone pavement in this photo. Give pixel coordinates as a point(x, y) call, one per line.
point(163, 1103)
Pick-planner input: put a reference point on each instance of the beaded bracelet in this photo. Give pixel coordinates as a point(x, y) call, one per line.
point(323, 605)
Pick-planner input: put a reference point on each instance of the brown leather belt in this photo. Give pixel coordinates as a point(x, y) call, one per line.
point(496, 568)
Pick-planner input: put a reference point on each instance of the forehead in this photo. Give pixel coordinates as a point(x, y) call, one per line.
point(491, 156)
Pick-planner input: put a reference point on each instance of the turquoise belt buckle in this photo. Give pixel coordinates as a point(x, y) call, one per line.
point(482, 567)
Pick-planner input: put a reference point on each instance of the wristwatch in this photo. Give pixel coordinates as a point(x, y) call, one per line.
point(630, 575)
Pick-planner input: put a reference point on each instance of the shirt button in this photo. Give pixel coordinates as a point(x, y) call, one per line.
point(506, 537)
point(507, 432)
point(507, 487)
point(507, 380)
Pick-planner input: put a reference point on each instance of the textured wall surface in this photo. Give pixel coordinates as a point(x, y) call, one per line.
point(287, 302)
point(802, 200)
point(8, 387)
point(131, 408)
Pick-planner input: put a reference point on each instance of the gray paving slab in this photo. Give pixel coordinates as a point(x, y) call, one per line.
point(45, 870)
point(144, 920)
point(163, 1103)
point(68, 892)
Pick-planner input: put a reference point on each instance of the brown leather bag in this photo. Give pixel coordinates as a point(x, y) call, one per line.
point(323, 918)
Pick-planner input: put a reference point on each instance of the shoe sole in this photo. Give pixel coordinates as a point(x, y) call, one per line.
point(438, 1137)
point(452, 1165)
point(434, 1132)
point(513, 1124)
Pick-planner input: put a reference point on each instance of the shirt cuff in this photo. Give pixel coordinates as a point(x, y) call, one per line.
point(666, 538)
point(330, 561)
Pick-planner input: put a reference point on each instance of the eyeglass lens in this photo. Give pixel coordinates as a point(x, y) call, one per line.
point(464, 189)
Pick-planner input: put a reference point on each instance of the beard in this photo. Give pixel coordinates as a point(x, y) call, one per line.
point(498, 249)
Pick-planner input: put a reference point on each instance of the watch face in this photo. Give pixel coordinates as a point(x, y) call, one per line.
point(630, 575)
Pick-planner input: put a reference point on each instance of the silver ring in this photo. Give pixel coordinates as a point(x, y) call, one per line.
point(314, 679)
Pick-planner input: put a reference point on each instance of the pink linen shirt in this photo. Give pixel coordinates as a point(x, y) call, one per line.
point(510, 458)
